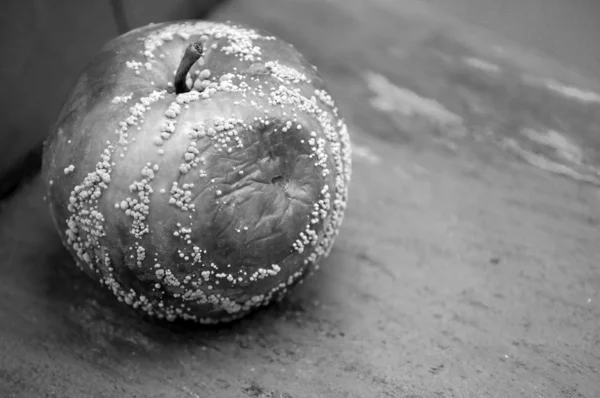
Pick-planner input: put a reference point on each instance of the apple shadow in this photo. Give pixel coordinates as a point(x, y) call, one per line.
point(76, 316)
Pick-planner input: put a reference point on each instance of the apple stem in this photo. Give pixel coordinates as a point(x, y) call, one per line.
point(193, 52)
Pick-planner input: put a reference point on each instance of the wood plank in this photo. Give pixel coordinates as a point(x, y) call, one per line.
point(466, 266)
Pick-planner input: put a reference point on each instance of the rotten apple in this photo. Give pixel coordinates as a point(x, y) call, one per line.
point(198, 170)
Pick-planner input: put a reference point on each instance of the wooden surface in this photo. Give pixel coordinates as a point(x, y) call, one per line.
point(466, 267)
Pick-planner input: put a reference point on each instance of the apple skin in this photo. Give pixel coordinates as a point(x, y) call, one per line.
point(201, 205)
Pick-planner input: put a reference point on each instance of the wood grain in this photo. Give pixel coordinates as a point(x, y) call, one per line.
point(462, 270)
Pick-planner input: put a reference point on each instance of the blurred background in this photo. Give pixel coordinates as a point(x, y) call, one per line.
point(467, 265)
point(566, 30)
point(45, 43)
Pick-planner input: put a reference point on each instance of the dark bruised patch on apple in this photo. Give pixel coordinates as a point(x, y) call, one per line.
point(278, 180)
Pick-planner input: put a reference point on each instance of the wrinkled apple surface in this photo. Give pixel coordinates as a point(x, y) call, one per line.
point(205, 204)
